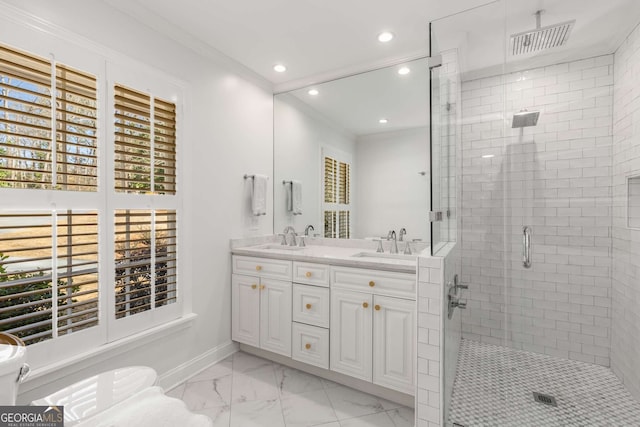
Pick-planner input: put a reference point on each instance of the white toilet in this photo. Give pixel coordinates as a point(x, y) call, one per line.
point(121, 397)
point(13, 369)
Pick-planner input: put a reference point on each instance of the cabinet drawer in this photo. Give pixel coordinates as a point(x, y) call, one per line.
point(263, 267)
point(375, 281)
point(312, 274)
point(311, 305)
point(310, 344)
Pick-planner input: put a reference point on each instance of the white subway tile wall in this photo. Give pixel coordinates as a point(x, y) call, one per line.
point(430, 279)
point(625, 336)
point(556, 178)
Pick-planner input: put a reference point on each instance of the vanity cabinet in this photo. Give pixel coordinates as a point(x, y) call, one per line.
point(261, 305)
point(372, 330)
point(355, 321)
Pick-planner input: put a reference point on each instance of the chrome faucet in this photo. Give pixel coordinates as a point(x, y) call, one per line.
point(394, 244)
point(307, 229)
point(402, 232)
point(289, 230)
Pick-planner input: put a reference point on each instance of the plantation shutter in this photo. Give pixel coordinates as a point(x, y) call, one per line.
point(28, 158)
point(144, 239)
point(25, 120)
point(137, 142)
point(76, 139)
point(166, 258)
point(77, 264)
point(132, 141)
point(27, 267)
point(165, 147)
point(337, 198)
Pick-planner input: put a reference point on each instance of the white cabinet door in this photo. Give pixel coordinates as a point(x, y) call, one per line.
point(394, 343)
point(351, 333)
point(275, 316)
point(245, 318)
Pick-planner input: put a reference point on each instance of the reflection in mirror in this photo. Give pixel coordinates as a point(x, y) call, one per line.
point(353, 155)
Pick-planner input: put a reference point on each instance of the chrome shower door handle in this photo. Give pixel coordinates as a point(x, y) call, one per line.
point(526, 247)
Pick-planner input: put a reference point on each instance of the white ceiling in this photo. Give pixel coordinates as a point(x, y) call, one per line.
point(311, 38)
point(319, 41)
point(328, 38)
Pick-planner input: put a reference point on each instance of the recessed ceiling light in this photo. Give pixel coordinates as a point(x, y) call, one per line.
point(385, 37)
point(313, 92)
point(383, 121)
point(404, 70)
point(280, 68)
point(488, 156)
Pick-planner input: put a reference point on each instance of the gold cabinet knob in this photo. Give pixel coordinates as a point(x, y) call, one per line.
point(377, 307)
point(307, 346)
point(365, 304)
point(308, 274)
point(254, 286)
point(258, 267)
point(372, 283)
point(308, 306)
point(262, 287)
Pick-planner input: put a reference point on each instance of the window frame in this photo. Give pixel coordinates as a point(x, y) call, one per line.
point(108, 66)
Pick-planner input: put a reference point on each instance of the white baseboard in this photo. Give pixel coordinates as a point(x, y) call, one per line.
point(192, 367)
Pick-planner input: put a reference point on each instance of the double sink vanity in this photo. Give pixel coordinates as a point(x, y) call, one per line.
point(346, 310)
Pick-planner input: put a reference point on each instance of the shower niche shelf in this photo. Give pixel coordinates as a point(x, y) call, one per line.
point(633, 202)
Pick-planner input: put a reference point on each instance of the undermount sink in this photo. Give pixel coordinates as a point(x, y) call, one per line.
point(277, 247)
point(385, 256)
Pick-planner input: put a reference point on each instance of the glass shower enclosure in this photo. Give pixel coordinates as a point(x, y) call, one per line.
point(524, 180)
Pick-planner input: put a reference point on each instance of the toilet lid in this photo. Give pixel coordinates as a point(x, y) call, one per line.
point(100, 392)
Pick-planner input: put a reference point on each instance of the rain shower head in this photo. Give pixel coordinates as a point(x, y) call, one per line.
point(541, 38)
point(525, 118)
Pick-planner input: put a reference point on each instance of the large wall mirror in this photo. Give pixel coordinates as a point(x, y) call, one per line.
point(351, 156)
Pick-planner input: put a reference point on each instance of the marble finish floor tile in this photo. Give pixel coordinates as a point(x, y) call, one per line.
point(380, 419)
point(350, 403)
point(247, 391)
point(257, 413)
point(293, 381)
point(494, 387)
point(208, 394)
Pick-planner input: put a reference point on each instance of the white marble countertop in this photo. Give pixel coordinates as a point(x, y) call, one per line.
point(358, 254)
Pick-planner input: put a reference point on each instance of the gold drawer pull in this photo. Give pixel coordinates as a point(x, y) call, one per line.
point(308, 274)
point(307, 346)
point(372, 283)
point(254, 286)
point(262, 287)
point(258, 267)
point(308, 306)
point(377, 307)
point(365, 304)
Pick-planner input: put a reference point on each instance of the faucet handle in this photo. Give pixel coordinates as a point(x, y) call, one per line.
point(284, 238)
point(407, 249)
point(301, 242)
point(380, 248)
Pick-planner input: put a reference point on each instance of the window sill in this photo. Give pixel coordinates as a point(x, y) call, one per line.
point(106, 351)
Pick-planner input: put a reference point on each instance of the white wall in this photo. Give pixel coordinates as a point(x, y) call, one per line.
point(228, 132)
point(556, 178)
point(625, 330)
point(390, 191)
point(299, 134)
